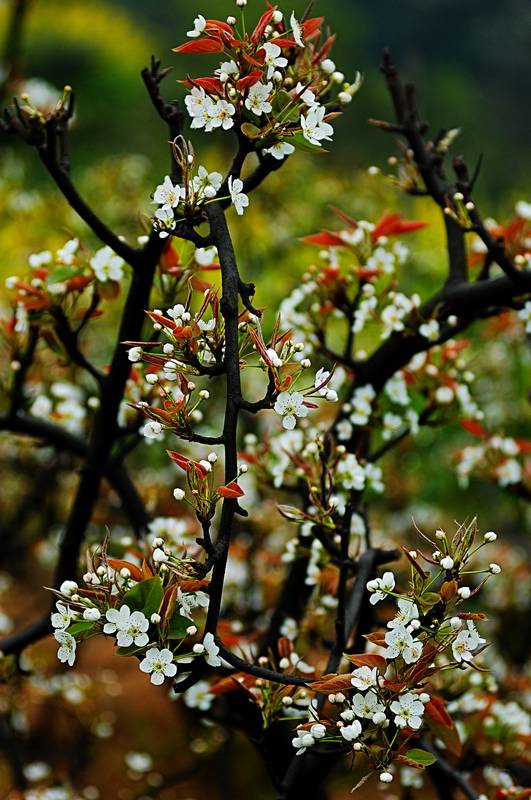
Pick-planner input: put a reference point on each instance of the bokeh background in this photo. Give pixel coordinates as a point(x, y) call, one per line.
point(470, 63)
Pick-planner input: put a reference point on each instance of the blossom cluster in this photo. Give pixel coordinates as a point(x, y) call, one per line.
point(276, 87)
point(389, 699)
point(500, 458)
point(149, 606)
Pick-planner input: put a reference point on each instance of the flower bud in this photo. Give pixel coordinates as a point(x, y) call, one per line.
point(328, 66)
point(490, 536)
point(495, 569)
point(386, 777)
point(155, 618)
point(68, 588)
point(178, 494)
point(91, 614)
point(447, 562)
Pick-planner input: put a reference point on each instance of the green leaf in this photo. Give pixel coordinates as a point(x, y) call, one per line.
point(251, 131)
point(63, 274)
point(78, 628)
point(132, 650)
point(428, 600)
point(298, 140)
point(146, 596)
point(177, 626)
point(421, 756)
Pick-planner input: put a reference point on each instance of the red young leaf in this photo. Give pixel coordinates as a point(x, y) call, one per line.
point(324, 239)
point(118, 564)
point(249, 80)
point(207, 45)
point(182, 461)
point(368, 660)
point(437, 711)
point(258, 33)
point(474, 428)
point(231, 490)
point(393, 225)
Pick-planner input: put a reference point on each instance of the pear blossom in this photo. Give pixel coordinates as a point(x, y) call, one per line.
point(67, 252)
point(237, 196)
point(380, 586)
point(205, 256)
point(168, 194)
point(199, 696)
point(211, 650)
point(133, 631)
point(134, 354)
point(165, 221)
point(408, 711)
point(221, 115)
point(314, 127)
point(296, 29)
point(37, 260)
point(408, 611)
point(466, 642)
point(273, 58)
point(117, 619)
point(62, 618)
point(280, 150)
point(257, 99)
point(290, 405)
point(199, 27)
point(107, 265)
point(67, 647)
point(152, 429)
point(364, 678)
point(206, 183)
point(366, 706)
point(352, 731)
point(401, 643)
point(302, 741)
point(305, 94)
point(430, 330)
point(159, 664)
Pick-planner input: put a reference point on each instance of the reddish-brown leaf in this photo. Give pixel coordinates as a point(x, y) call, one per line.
point(334, 683)
point(437, 711)
point(324, 239)
point(118, 564)
point(200, 46)
point(258, 33)
point(249, 80)
point(231, 490)
point(368, 660)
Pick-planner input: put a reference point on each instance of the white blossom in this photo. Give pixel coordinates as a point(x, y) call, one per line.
point(408, 711)
point(257, 99)
point(211, 650)
point(168, 194)
point(296, 29)
point(199, 27)
point(273, 58)
point(67, 647)
point(314, 127)
point(380, 586)
point(290, 405)
point(107, 265)
point(352, 731)
point(280, 150)
point(237, 196)
point(158, 663)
